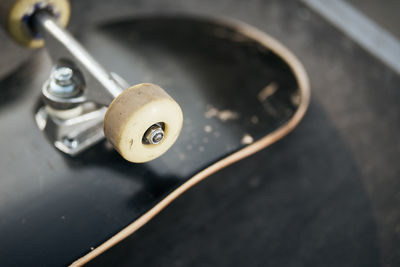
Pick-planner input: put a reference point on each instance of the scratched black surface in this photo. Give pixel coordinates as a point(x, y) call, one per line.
point(81, 202)
point(327, 195)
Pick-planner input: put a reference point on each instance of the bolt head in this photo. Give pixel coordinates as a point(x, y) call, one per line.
point(61, 83)
point(70, 143)
point(157, 137)
point(154, 135)
point(63, 75)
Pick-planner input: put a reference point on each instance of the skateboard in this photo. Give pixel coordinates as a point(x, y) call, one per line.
point(102, 157)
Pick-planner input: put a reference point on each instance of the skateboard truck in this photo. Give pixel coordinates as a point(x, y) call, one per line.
point(75, 80)
point(83, 103)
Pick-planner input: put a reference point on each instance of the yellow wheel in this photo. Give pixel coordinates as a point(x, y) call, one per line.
point(15, 15)
point(143, 122)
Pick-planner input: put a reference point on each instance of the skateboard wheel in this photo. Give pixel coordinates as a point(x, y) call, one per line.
point(143, 122)
point(15, 16)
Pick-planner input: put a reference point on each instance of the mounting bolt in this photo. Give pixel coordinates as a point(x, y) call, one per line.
point(70, 143)
point(62, 84)
point(154, 135)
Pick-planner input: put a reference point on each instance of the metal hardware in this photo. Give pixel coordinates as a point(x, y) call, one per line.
point(155, 134)
point(100, 86)
point(61, 83)
point(77, 91)
point(74, 135)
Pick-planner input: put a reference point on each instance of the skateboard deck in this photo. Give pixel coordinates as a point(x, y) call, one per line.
point(239, 89)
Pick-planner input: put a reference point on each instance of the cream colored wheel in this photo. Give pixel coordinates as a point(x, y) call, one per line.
point(15, 14)
point(143, 122)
